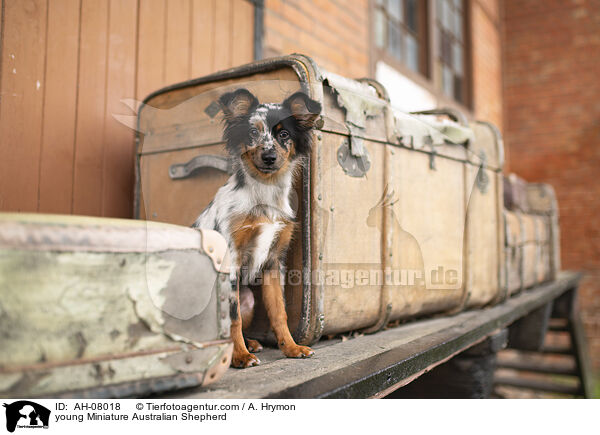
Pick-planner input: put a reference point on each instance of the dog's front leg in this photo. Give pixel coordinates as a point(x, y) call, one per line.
point(273, 300)
point(241, 357)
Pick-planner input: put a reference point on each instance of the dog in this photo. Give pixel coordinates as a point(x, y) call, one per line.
point(268, 144)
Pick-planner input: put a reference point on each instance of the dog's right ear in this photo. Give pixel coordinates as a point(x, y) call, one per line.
point(238, 103)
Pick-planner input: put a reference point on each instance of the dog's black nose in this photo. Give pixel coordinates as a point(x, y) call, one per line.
point(269, 157)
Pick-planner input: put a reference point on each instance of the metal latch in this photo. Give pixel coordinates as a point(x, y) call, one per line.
point(360, 102)
point(354, 166)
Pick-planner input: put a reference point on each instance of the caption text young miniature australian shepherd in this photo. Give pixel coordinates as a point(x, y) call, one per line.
point(267, 143)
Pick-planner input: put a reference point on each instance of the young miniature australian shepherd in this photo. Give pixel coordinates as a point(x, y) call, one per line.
point(267, 143)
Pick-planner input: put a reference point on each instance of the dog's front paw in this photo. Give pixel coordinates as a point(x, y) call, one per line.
point(298, 351)
point(253, 345)
point(244, 360)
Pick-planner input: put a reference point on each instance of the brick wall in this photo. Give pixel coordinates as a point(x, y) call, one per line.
point(552, 129)
point(486, 37)
point(333, 32)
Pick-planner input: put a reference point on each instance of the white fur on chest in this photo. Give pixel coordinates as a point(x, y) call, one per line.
point(269, 232)
point(255, 198)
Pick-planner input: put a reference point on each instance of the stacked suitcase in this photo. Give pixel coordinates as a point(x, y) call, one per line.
point(532, 233)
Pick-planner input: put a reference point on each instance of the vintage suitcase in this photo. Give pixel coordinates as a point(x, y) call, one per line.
point(401, 215)
point(94, 307)
point(532, 239)
point(541, 200)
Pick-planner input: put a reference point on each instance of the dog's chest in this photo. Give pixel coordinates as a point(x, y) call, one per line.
point(259, 240)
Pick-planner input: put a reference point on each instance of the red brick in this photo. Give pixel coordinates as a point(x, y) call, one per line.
point(551, 94)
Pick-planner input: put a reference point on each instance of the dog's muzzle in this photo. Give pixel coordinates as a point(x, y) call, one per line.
point(269, 157)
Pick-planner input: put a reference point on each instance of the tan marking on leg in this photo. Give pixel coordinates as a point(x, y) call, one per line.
point(285, 237)
point(275, 306)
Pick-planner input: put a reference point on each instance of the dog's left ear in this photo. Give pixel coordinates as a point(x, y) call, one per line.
point(303, 109)
point(238, 103)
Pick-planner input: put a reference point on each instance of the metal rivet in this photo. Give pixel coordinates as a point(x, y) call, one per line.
point(188, 359)
point(218, 261)
point(210, 249)
point(222, 298)
point(319, 136)
point(320, 197)
point(320, 256)
point(223, 278)
point(223, 315)
point(331, 208)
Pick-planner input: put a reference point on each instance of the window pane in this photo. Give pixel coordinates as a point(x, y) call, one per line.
point(457, 58)
point(412, 17)
point(446, 17)
point(445, 48)
point(447, 81)
point(394, 40)
point(379, 28)
point(412, 53)
point(450, 70)
point(457, 25)
point(458, 84)
point(395, 9)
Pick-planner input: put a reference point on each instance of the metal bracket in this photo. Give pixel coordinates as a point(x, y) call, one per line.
point(179, 171)
point(428, 140)
point(354, 166)
point(212, 109)
point(482, 180)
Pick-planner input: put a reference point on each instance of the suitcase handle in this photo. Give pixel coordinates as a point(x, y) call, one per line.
point(179, 171)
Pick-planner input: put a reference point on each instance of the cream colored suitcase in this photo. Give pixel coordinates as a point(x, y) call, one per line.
point(415, 198)
point(94, 307)
point(532, 239)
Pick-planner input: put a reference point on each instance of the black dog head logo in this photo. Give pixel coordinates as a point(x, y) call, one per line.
point(26, 413)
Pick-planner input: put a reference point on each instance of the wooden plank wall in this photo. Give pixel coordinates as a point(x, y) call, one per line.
point(65, 66)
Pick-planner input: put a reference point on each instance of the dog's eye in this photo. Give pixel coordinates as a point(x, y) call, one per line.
point(283, 134)
point(254, 132)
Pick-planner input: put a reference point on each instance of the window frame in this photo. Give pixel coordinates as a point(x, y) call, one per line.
point(431, 80)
